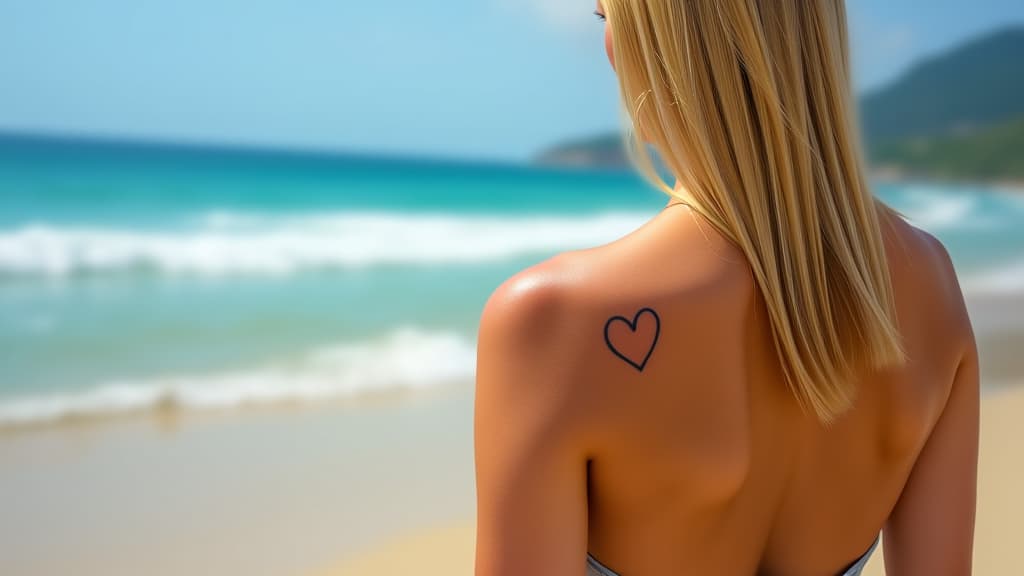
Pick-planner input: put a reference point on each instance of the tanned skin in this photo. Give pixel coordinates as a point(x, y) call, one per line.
point(630, 404)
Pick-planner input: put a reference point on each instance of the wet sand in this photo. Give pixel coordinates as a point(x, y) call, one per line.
point(258, 492)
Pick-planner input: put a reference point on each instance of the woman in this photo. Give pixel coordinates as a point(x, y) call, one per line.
point(772, 372)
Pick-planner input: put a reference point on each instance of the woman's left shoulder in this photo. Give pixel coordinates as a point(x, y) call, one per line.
point(676, 263)
point(536, 303)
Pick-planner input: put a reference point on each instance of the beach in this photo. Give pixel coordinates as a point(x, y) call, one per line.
point(264, 492)
point(378, 486)
point(289, 492)
point(254, 363)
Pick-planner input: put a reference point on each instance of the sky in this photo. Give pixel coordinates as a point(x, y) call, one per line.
point(474, 79)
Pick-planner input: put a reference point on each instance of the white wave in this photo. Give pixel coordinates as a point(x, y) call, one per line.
point(224, 243)
point(1005, 279)
point(938, 210)
point(408, 359)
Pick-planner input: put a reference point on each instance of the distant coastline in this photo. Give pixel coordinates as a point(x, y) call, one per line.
point(970, 132)
point(582, 156)
point(885, 175)
point(246, 150)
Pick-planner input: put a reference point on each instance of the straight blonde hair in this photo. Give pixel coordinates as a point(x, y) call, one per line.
point(749, 103)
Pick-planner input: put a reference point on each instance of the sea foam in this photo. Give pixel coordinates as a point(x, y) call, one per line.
point(1004, 280)
point(227, 244)
point(407, 359)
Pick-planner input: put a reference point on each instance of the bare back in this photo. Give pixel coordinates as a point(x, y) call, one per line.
point(699, 460)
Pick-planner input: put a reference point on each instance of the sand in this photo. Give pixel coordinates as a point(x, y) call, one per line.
point(448, 550)
point(256, 492)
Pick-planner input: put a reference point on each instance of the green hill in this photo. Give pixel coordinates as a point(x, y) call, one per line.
point(974, 86)
point(992, 153)
point(604, 151)
point(955, 115)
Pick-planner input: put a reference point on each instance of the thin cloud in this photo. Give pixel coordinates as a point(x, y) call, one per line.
point(568, 15)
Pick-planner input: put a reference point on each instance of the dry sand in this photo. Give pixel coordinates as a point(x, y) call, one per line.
point(448, 550)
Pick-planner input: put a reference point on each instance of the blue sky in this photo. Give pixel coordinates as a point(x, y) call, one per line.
point(487, 79)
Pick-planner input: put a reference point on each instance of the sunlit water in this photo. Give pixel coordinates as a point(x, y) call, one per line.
point(137, 277)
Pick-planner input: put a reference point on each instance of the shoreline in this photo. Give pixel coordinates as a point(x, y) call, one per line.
point(174, 420)
point(174, 416)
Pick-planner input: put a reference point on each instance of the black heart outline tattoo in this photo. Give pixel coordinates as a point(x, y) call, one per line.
point(632, 328)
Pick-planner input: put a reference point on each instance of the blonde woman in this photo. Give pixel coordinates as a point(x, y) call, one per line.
point(769, 377)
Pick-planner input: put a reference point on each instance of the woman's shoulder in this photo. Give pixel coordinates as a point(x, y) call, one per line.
point(675, 260)
point(926, 281)
point(612, 310)
point(664, 308)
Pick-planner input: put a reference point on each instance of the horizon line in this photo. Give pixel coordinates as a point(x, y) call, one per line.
point(310, 152)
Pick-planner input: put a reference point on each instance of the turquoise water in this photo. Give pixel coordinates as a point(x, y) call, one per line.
point(137, 276)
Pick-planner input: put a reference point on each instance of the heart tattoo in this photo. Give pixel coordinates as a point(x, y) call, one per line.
point(633, 341)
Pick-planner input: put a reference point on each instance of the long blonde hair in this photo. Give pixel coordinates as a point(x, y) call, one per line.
point(749, 103)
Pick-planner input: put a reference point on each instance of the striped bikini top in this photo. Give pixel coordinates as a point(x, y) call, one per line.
point(595, 568)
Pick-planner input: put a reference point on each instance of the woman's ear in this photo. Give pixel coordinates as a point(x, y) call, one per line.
point(608, 47)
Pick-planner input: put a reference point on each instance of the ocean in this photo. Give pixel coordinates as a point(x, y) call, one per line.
point(150, 277)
